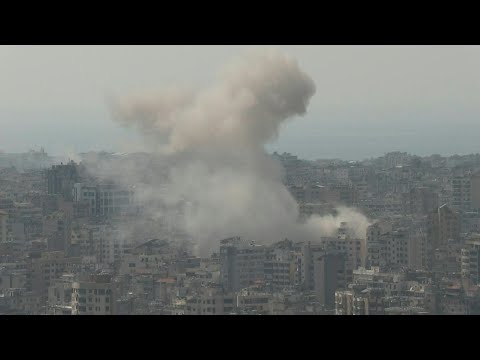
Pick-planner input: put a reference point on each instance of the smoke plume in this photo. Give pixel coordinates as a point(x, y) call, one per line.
point(209, 147)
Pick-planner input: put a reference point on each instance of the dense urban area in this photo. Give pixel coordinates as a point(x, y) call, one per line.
point(63, 248)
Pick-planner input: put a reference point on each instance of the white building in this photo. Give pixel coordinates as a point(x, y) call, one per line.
point(59, 300)
point(105, 199)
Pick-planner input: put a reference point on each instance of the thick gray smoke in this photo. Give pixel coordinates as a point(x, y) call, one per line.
point(211, 144)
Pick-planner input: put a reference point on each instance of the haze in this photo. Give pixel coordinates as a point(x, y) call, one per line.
point(369, 99)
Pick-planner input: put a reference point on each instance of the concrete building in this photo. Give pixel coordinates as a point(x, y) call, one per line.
point(396, 158)
point(283, 266)
point(397, 244)
point(470, 222)
point(255, 302)
point(376, 247)
point(392, 282)
point(241, 263)
point(423, 200)
point(3, 226)
point(8, 206)
point(461, 199)
point(104, 199)
point(61, 178)
point(475, 191)
point(59, 300)
point(93, 296)
point(110, 245)
point(344, 302)
point(211, 302)
point(306, 210)
point(82, 239)
point(443, 224)
point(329, 273)
point(360, 300)
point(12, 277)
point(56, 229)
point(466, 192)
point(86, 195)
point(354, 249)
point(470, 262)
point(43, 269)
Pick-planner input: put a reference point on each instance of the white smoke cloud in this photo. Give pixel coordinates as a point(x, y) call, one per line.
point(211, 144)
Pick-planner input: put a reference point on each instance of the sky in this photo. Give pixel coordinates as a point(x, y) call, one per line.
point(369, 99)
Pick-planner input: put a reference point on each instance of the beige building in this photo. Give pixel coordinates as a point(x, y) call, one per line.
point(93, 296)
point(44, 269)
point(400, 247)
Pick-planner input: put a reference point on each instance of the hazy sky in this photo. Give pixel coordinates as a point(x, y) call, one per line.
point(369, 100)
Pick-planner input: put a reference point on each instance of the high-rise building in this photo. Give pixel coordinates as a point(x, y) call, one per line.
point(475, 191)
point(61, 178)
point(422, 200)
point(443, 225)
point(329, 274)
point(376, 247)
point(466, 192)
point(56, 229)
point(471, 262)
point(241, 263)
point(397, 246)
point(354, 249)
point(3, 226)
point(8, 207)
point(461, 197)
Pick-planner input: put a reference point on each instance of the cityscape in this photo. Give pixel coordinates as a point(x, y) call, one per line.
point(65, 250)
point(203, 217)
